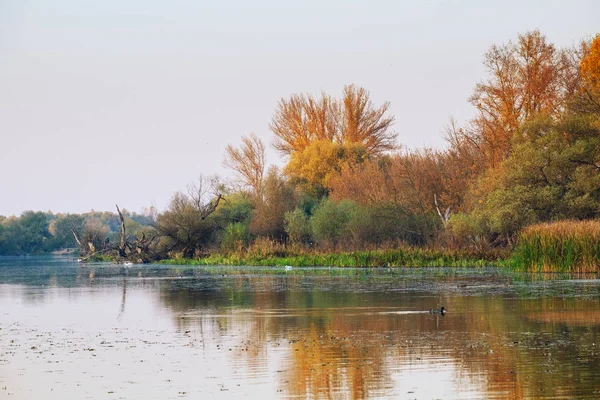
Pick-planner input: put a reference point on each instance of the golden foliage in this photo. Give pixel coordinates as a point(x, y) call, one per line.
point(590, 65)
point(564, 229)
point(314, 166)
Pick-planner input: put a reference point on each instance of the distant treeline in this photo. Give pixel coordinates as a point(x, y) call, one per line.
point(530, 155)
point(44, 232)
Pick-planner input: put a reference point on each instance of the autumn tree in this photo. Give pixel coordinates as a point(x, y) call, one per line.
point(462, 165)
point(313, 167)
point(248, 161)
point(553, 174)
point(404, 187)
point(303, 119)
point(587, 99)
point(526, 79)
point(94, 236)
point(590, 65)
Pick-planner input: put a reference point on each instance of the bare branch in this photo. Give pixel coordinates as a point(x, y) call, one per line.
point(248, 162)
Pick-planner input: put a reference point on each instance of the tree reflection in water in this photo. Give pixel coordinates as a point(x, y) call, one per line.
point(343, 341)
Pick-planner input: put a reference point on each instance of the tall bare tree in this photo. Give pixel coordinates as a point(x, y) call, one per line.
point(365, 124)
point(248, 161)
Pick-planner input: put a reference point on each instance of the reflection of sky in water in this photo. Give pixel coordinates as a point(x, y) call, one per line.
point(177, 333)
point(76, 340)
point(439, 380)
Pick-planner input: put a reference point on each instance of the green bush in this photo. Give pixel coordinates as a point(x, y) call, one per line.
point(330, 221)
point(297, 226)
point(235, 237)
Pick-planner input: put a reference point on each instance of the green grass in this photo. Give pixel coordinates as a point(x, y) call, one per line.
point(566, 246)
point(404, 257)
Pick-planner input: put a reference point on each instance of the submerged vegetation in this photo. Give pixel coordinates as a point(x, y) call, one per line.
point(349, 196)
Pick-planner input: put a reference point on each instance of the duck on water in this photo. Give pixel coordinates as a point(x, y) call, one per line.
point(441, 311)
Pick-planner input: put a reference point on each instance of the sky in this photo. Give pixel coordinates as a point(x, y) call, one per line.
point(127, 101)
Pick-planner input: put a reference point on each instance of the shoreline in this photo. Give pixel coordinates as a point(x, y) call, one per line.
point(397, 258)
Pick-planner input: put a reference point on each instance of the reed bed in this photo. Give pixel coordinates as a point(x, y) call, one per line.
point(565, 246)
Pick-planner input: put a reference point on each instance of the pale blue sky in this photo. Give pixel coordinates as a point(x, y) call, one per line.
point(161, 87)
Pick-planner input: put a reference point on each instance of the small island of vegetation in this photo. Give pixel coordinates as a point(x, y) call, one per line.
point(517, 186)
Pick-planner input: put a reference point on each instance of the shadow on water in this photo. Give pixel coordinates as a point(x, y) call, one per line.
point(320, 332)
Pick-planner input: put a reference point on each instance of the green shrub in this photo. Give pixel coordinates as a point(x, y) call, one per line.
point(235, 237)
point(297, 226)
point(330, 220)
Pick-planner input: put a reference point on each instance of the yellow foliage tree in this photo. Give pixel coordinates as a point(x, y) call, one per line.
point(590, 65)
point(314, 166)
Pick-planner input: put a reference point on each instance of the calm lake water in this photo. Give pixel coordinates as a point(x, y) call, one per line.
point(101, 331)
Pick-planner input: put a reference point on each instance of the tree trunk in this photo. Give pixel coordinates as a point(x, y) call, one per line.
point(122, 242)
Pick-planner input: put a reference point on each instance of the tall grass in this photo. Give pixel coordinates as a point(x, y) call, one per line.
point(264, 253)
point(566, 246)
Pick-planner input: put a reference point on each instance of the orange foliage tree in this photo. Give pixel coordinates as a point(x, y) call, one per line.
point(590, 65)
point(589, 97)
point(304, 119)
point(322, 134)
point(527, 77)
point(414, 185)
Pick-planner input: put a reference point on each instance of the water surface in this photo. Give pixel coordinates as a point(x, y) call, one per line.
point(103, 331)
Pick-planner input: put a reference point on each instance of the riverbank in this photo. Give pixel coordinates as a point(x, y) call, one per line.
point(404, 257)
point(564, 246)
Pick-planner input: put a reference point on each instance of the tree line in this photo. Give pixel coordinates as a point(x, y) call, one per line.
point(531, 154)
point(36, 232)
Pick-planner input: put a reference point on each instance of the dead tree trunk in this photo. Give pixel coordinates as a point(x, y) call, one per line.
point(76, 235)
point(209, 208)
point(122, 242)
point(444, 217)
point(84, 248)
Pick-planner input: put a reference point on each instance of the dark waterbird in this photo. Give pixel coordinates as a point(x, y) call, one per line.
point(440, 311)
